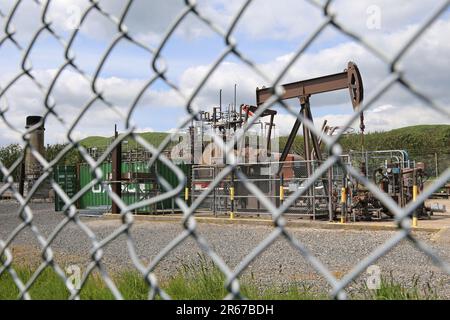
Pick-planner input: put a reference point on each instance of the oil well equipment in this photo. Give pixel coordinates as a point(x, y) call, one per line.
point(334, 196)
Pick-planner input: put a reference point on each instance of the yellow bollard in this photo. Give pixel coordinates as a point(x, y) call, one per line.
point(343, 195)
point(415, 222)
point(232, 203)
point(186, 194)
point(281, 193)
point(343, 202)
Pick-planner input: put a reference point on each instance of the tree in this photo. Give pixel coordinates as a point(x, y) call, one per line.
point(8, 155)
point(70, 158)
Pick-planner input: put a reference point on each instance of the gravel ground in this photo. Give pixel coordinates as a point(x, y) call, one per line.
point(280, 264)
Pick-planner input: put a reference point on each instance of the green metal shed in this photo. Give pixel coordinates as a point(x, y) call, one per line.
point(131, 192)
point(66, 177)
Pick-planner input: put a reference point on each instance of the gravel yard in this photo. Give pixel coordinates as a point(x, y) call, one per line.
point(339, 250)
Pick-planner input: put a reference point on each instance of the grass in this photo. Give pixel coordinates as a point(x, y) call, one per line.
point(196, 281)
point(390, 290)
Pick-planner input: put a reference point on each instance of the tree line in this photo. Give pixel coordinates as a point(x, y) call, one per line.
point(10, 153)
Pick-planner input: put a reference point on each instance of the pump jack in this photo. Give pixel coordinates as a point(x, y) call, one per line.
point(303, 90)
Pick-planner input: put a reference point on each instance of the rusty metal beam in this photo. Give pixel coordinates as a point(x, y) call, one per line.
point(269, 136)
point(309, 87)
point(349, 79)
point(291, 139)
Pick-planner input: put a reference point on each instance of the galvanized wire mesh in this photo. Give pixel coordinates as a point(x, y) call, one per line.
point(159, 67)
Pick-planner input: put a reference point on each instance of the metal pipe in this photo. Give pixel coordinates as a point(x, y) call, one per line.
point(220, 103)
point(235, 99)
point(116, 167)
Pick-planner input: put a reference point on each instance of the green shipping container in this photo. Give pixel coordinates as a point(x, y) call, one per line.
point(131, 192)
point(66, 177)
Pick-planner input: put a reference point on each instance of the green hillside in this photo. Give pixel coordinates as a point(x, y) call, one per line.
point(417, 140)
point(155, 138)
point(427, 143)
point(421, 142)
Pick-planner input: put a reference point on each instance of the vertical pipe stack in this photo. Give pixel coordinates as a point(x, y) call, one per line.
point(33, 168)
point(116, 173)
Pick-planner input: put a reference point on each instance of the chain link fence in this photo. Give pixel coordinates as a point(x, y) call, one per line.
point(160, 69)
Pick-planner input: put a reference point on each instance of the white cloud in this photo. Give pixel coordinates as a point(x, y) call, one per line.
point(426, 64)
point(264, 19)
point(381, 118)
point(424, 67)
point(71, 93)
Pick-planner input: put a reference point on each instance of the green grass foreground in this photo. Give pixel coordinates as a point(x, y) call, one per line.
point(201, 281)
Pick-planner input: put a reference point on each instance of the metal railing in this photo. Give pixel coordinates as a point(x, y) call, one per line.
point(318, 201)
point(160, 74)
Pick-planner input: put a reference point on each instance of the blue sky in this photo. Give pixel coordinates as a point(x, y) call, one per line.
point(268, 33)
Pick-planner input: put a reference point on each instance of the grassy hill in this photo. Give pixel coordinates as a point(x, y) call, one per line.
point(423, 143)
point(427, 143)
point(155, 138)
point(417, 140)
point(424, 139)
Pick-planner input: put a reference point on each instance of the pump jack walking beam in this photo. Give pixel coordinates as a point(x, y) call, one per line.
point(349, 79)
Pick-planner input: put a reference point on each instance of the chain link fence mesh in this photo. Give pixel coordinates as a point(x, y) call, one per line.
point(159, 67)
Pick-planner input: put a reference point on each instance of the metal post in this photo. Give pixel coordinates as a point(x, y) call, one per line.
point(235, 101)
point(306, 139)
point(116, 172)
point(330, 199)
point(192, 136)
point(214, 193)
point(220, 103)
point(313, 199)
point(22, 178)
point(269, 136)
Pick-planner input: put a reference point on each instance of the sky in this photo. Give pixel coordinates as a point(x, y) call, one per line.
point(269, 33)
